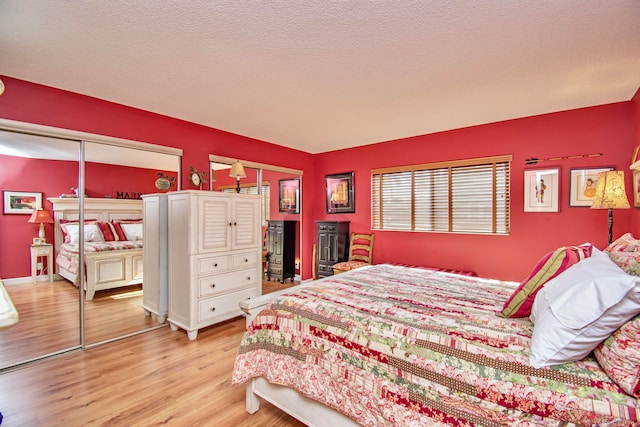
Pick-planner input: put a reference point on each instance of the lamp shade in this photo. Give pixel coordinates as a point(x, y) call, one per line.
point(237, 170)
point(40, 216)
point(610, 192)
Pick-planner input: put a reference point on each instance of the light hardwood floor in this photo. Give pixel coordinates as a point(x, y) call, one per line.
point(155, 378)
point(49, 318)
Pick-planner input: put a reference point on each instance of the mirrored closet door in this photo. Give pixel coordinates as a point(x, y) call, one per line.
point(48, 168)
point(115, 179)
point(281, 191)
point(33, 169)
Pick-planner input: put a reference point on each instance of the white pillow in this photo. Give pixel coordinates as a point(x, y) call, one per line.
point(580, 308)
point(132, 231)
point(91, 233)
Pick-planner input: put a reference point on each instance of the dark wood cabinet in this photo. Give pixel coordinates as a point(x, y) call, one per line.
point(332, 245)
point(281, 250)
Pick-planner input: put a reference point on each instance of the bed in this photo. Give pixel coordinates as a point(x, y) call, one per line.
point(392, 345)
point(108, 264)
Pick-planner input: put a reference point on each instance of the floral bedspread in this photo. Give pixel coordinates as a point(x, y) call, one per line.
point(389, 345)
point(67, 256)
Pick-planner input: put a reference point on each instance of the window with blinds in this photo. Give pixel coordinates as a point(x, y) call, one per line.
point(253, 189)
point(463, 196)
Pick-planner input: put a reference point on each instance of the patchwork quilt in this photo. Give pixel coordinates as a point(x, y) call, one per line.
point(389, 345)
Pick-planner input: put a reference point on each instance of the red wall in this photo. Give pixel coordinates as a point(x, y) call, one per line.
point(604, 129)
point(33, 103)
point(607, 129)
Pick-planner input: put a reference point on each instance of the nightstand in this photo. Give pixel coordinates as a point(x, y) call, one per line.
point(38, 251)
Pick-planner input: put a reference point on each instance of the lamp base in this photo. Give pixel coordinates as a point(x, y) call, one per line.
point(41, 235)
point(238, 185)
point(610, 221)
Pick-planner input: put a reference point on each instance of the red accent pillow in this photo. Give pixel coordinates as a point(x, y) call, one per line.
point(552, 264)
point(117, 231)
point(106, 231)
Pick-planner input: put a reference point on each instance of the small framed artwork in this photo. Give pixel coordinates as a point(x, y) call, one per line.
point(289, 195)
point(541, 187)
point(636, 188)
point(21, 202)
point(339, 189)
point(583, 184)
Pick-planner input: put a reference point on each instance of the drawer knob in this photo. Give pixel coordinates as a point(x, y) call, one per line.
point(246, 260)
point(213, 285)
point(248, 277)
point(213, 309)
point(215, 264)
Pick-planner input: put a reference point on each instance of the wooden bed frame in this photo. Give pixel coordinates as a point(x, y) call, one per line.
point(308, 411)
point(104, 270)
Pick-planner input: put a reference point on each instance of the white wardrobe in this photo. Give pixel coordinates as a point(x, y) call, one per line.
point(214, 256)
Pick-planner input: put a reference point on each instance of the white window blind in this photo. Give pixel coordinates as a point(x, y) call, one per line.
point(463, 196)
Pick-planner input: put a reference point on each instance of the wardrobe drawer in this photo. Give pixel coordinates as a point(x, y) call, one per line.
point(226, 282)
point(212, 264)
point(244, 259)
point(212, 308)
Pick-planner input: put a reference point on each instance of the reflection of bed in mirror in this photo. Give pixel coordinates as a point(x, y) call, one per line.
point(108, 263)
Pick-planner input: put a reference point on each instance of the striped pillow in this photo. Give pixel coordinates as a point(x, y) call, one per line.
point(117, 231)
point(553, 263)
point(106, 231)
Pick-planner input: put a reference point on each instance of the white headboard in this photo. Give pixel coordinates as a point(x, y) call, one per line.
point(97, 209)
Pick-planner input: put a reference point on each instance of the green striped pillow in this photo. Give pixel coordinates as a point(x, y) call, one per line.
point(553, 263)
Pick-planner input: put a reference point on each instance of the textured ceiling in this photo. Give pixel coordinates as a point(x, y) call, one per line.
point(324, 75)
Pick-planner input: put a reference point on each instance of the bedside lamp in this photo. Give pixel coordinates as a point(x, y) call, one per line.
point(42, 217)
point(237, 171)
point(610, 194)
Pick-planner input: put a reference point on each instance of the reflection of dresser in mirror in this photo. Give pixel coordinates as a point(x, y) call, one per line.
point(155, 288)
point(281, 250)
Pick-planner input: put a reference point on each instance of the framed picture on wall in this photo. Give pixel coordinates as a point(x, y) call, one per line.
point(541, 187)
point(583, 184)
point(339, 193)
point(21, 202)
point(289, 195)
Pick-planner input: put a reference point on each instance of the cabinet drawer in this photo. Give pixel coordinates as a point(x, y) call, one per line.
point(41, 250)
point(275, 271)
point(244, 259)
point(211, 308)
point(212, 264)
point(226, 282)
point(325, 269)
point(275, 260)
